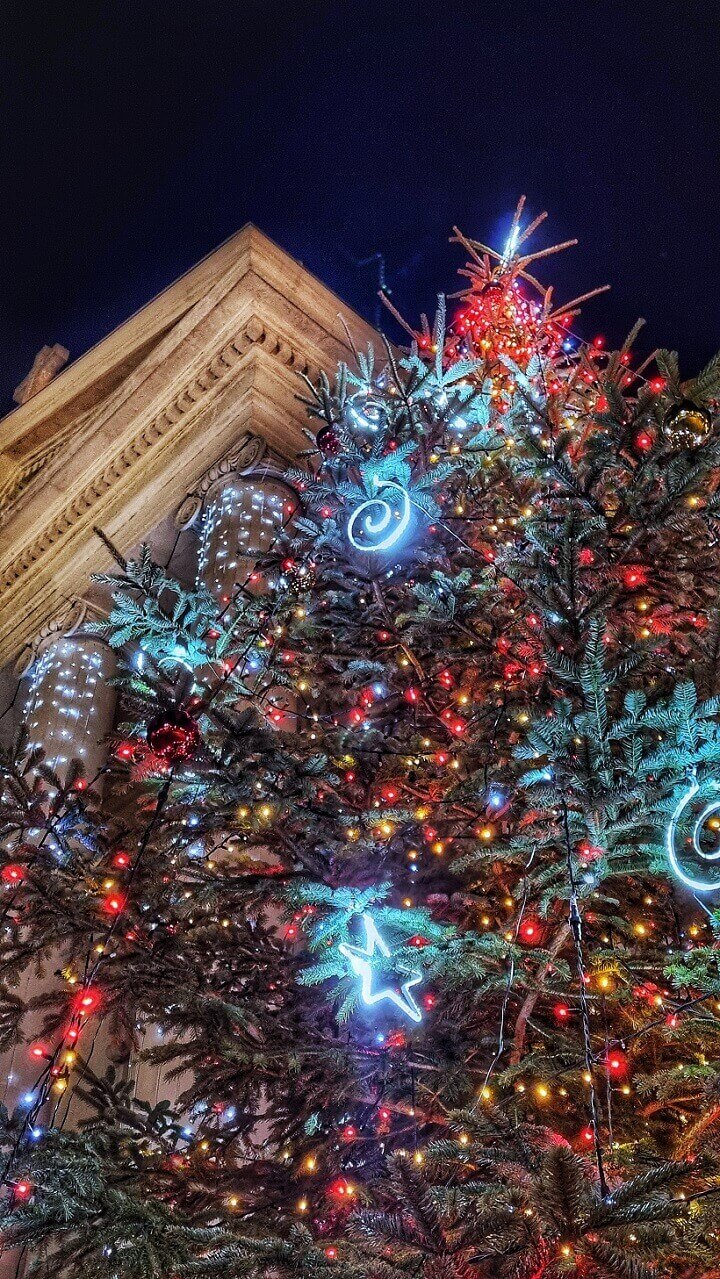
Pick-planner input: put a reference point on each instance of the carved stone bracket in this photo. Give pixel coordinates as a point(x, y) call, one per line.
point(62, 626)
point(119, 437)
point(242, 459)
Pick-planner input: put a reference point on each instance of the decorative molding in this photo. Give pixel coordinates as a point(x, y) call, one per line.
point(63, 625)
point(191, 396)
point(47, 363)
point(164, 414)
point(241, 459)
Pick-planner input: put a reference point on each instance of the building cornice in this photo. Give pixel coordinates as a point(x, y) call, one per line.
point(216, 355)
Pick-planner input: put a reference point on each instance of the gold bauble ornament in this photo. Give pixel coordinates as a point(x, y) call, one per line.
point(686, 424)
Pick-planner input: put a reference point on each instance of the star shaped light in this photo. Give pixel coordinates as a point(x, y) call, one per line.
point(398, 991)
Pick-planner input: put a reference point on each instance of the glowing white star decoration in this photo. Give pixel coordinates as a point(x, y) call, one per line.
point(698, 853)
point(360, 957)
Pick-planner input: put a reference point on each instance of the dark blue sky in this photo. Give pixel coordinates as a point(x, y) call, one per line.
point(137, 136)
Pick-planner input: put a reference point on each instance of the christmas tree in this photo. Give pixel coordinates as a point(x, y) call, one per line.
point(410, 845)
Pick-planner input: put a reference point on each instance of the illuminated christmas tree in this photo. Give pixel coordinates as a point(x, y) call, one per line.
point(432, 938)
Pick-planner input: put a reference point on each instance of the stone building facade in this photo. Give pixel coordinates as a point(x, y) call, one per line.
point(174, 430)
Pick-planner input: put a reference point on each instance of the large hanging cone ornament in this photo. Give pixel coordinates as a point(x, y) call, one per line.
point(686, 424)
point(173, 736)
point(328, 441)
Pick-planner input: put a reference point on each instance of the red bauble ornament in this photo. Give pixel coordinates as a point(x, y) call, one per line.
point(341, 1189)
point(328, 441)
point(173, 736)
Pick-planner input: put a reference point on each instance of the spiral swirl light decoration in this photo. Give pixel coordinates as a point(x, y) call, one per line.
point(382, 525)
point(368, 413)
point(691, 847)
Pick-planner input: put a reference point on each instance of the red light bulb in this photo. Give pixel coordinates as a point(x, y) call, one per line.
point(530, 932)
point(616, 1063)
point(13, 873)
point(86, 1001)
point(643, 441)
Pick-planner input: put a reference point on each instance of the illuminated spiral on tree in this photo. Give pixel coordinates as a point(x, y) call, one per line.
point(381, 524)
point(368, 414)
point(691, 848)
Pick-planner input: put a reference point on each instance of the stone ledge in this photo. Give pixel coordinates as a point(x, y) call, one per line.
point(228, 362)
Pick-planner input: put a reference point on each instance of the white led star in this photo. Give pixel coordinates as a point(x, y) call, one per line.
point(360, 957)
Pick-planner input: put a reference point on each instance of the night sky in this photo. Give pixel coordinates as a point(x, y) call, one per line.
point(138, 136)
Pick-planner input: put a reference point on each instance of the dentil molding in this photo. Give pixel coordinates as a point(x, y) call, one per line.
point(214, 358)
